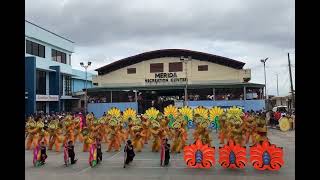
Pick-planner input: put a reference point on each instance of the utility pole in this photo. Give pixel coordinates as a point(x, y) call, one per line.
point(185, 61)
point(277, 86)
point(265, 77)
point(85, 86)
point(292, 91)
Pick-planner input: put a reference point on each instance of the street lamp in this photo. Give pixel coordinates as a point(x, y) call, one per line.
point(265, 77)
point(185, 61)
point(85, 86)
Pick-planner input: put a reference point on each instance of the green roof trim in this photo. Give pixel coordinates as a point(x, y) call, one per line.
point(178, 86)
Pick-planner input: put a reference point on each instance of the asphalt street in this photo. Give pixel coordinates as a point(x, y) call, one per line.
point(146, 165)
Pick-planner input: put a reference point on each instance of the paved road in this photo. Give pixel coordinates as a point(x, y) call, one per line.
point(146, 165)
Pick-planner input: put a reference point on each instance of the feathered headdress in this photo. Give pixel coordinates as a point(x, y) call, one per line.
point(214, 115)
point(129, 114)
point(171, 112)
point(151, 113)
point(115, 115)
point(234, 115)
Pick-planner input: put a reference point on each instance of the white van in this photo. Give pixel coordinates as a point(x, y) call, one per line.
point(282, 109)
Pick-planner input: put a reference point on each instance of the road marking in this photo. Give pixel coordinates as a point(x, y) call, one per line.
point(113, 155)
point(84, 170)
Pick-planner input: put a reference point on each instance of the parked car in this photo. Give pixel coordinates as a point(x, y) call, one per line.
point(280, 109)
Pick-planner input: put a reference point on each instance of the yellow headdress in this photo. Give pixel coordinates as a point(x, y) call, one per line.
point(53, 125)
point(171, 112)
point(114, 112)
point(129, 114)
point(186, 113)
point(31, 123)
point(234, 111)
point(234, 115)
point(201, 111)
point(152, 113)
point(214, 112)
point(40, 124)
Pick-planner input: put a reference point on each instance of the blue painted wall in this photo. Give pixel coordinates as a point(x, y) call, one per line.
point(30, 84)
point(99, 108)
point(78, 85)
point(248, 105)
point(255, 105)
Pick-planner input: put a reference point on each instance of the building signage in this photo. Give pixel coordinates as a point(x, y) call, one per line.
point(165, 78)
point(47, 98)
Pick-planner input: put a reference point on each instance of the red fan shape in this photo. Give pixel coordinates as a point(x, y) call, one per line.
point(266, 156)
point(199, 155)
point(232, 156)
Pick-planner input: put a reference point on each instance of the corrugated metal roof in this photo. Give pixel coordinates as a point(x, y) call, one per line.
point(169, 53)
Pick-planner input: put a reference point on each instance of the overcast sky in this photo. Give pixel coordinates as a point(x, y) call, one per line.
point(108, 30)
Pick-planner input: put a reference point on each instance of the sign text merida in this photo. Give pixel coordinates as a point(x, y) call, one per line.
point(165, 78)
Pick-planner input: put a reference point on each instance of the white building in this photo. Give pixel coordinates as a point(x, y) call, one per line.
point(49, 75)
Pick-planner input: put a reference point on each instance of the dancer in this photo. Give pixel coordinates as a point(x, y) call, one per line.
point(167, 152)
point(56, 136)
point(71, 153)
point(43, 151)
point(33, 134)
point(235, 125)
point(129, 150)
point(99, 151)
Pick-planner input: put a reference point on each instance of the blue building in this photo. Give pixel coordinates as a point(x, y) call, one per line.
point(51, 85)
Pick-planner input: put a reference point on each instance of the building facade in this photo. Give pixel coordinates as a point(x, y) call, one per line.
point(282, 101)
point(50, 81)
point(166, 75)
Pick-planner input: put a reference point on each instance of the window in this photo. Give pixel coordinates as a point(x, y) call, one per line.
point(156, 67)
point(175, 67)
point(67, 86)
point(28, 47)
point(203, 68)
point(41, 51)
point(64, 58)
point(35, 49)
point(41, 82)
point(69, 59)
point(95, 84)
point(131, 70)
point(59, 56)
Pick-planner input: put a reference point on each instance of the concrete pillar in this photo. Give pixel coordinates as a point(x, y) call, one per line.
point(30, 84)
point(136, 95)
point(111, 96)
point(244, 93)
point(214, 93)
point(47, 84)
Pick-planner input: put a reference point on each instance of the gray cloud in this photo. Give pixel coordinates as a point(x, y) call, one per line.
point(96, 22)
point(104, 31)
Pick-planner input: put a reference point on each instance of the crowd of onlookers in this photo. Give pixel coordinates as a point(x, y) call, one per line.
point(191, 97)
